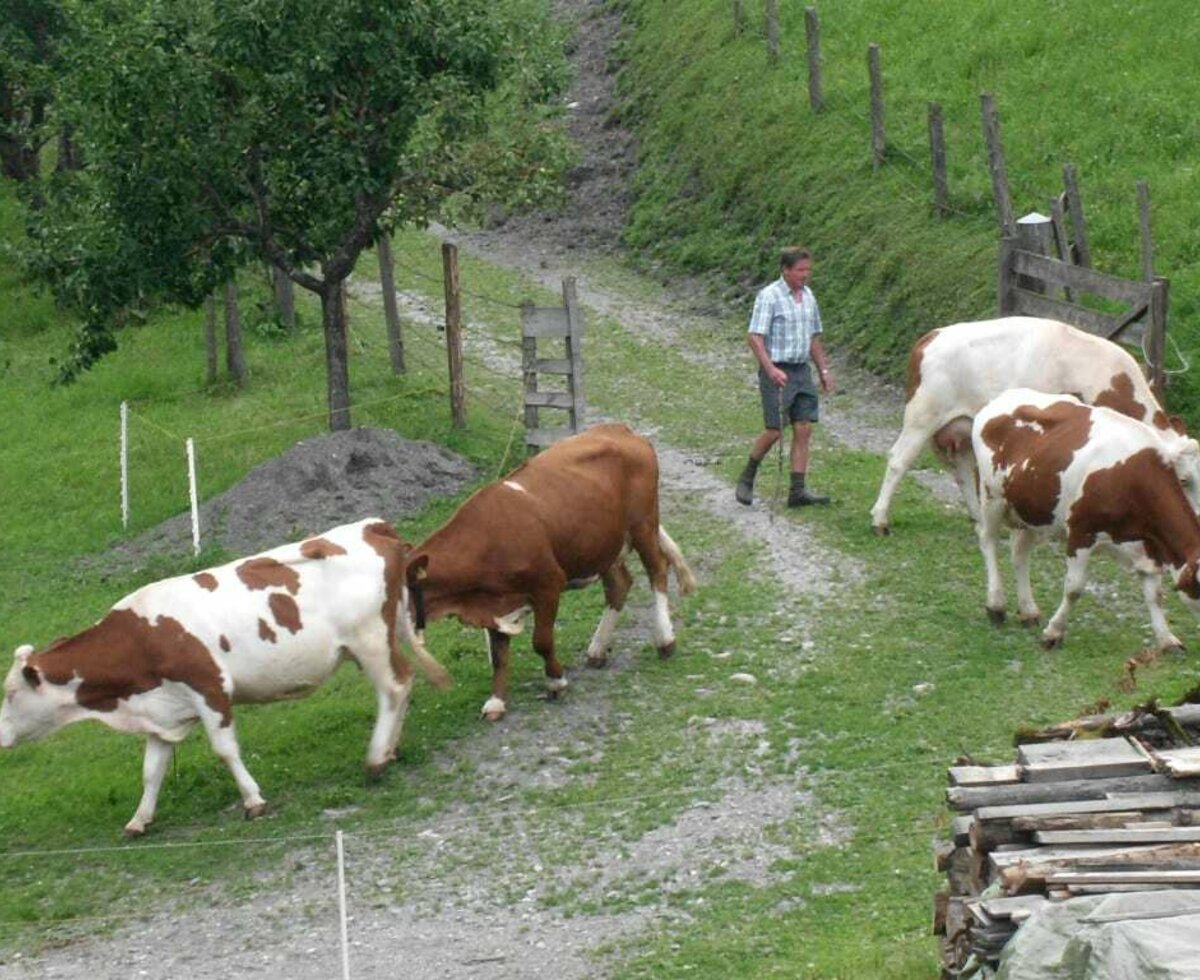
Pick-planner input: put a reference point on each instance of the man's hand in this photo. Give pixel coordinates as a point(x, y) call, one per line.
point(778, 376)
point(828, 385)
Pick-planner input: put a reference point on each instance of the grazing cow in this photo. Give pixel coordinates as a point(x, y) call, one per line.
point(559, 521)
point(954, 371)
point(1049, 465)
point(186, 649)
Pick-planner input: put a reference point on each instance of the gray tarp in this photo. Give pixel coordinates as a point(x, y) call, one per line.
point(1117, 936)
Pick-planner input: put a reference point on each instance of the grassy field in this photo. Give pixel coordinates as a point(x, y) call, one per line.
point(839, 710)
point(734, 163)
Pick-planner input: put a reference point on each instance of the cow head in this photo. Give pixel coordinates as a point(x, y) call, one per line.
point(1183, 453)
point(31, 706)
point(1189, 586)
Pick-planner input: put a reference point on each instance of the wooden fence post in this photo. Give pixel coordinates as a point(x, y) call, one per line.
point(1083, 252)
point(210, 339)
point(458, 411)
point(991, 136)
point(878, 142)
point(772, 31)
point(574, 351)
point(812, 34)
point(937, 153)
point(391, 315)
point(1062, 245)
point(1143, 195)
point(1033, 235)
point(1005, 301)
point(739, 17)
point(235, 356)
point(1156, 336)
point(529, 368)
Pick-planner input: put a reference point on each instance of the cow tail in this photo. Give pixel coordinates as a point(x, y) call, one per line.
point(435, 673)
point(684, 578)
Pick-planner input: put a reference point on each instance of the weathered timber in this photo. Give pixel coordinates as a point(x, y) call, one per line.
point(1125, 878)
point(1017, 908)
point(984, 775)
point(1179, 763)
point(1088, 759)
point(1013, 794)
point(1118, 835)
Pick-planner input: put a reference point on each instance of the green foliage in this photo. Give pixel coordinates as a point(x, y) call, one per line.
point(734, 164)
point(222, 131)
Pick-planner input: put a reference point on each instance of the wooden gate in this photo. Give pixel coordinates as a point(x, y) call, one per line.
point(549, 323)
point(1038, 285)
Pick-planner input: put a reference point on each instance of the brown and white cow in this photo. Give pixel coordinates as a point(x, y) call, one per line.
point(559, 521)
point(187, 649)
point(954, 371)
point(1050, 465)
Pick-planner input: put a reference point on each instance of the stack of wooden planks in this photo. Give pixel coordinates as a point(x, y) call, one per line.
point(1107, 803)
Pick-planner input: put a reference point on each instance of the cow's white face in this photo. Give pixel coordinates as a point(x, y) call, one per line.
point(31, 709)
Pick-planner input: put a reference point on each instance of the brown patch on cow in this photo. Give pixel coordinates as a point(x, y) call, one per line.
point(914, 364)
point(206, 580)
point(1187, 582)
point(266, 573)
point(1120, 396)
point(125, 654)
point(1049, 436)
point(1138, 499)
point(265, 632)
point(285, 611)
point(320, 548)
point(1172, 423)
point(386, 543)
point(225, 644)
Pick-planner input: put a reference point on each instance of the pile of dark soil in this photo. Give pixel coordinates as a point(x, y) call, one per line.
point(317, 484)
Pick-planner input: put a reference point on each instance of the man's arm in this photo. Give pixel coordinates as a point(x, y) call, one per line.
point(819, 358)
point(777, 375)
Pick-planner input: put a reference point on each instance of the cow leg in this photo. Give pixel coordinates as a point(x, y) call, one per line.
point(545, 612)
point(1023, 541)
point(392, 677)
point(902, 455)
point(967, 478)
point(645, 542)
point(498, 650)
point(154, 769)
point(617, 582)
point(988, 532)
point(224, 743)
point(1152, 590)
point(1075, 580)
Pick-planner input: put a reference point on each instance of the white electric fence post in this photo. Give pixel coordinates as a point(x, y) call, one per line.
point(125, 465)
point(341, 875)
point(191, 458)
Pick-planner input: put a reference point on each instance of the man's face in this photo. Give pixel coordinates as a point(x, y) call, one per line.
point(796, 276)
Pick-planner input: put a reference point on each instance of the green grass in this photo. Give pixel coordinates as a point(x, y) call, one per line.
point(734, 164)
point(840, 717)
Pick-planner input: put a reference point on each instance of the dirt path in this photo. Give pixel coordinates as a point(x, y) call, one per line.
point(470, 909)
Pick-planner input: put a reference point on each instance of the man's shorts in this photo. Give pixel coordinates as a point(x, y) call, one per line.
point(799, 395)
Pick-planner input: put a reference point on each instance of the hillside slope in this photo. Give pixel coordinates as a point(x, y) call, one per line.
point(733, 162)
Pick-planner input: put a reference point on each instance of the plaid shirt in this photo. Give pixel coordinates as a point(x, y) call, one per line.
point(787, 326)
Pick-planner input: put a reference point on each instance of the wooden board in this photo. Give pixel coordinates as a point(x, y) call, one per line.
point(1088, 759)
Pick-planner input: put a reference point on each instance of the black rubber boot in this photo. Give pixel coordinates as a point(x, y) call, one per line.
point(745, 483)
point(801, 496)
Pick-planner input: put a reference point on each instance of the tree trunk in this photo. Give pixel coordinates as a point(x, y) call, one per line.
point(210, 338)
point(70, 154)
point(337, 363)
point(387, 279)
point(235, 356)
point(285, 297)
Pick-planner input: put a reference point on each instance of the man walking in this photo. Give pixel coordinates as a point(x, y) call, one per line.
point(785, 335)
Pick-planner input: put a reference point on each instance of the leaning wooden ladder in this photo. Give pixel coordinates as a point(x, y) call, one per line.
point(549, 323)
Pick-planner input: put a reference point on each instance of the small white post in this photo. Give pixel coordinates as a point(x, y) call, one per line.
point(341, 874)
point(125, 465)
point(191, 458)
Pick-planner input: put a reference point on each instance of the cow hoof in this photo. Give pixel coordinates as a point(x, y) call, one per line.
point(997, 616)
point(256, 811)
point(881, 530)
point(375, 772)
point(1174, 647)
point(597, 660)
point(666, 651)
point(493, 709)
point(1031, 619)
point(134, 830)
point(1051, 642)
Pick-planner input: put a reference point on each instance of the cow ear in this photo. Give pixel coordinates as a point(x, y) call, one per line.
point(33, 676)
point(418, 570)
point(1186, 583)
point(1177, 423)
